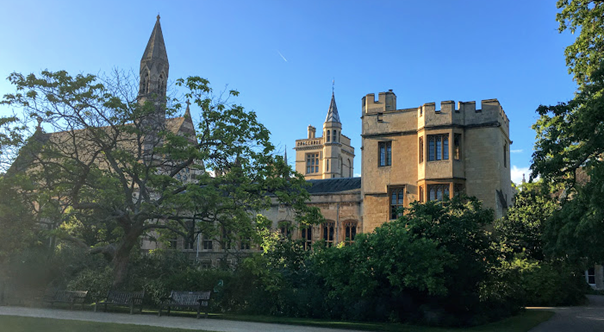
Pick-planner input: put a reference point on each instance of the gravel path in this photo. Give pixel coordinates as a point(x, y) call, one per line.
point(586, 318)
point(164, 321)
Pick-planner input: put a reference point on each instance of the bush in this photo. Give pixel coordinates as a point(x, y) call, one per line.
point(426, 267)
point(549, 283)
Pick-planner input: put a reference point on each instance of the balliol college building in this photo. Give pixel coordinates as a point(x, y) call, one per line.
point(413, 154)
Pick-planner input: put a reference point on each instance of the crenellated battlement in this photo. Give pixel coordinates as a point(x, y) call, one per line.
point(465, 114)
point(386, 102)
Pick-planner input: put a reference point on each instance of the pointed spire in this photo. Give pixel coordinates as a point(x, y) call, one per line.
point(188, 110)
point(332, 113)
point(285, 156)
point(156, 48)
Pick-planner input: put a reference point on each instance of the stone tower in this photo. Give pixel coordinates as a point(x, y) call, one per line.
point(154, 70)
point(332, 130)
point(424, 153)
point(327, 157)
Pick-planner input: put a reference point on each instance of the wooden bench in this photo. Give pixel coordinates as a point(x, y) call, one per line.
point(125, 299)
point(53, 296)
point(179, 299)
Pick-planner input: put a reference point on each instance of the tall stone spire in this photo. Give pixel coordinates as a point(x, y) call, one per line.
point(154, 65)
point(332, 113)
point(153, 78)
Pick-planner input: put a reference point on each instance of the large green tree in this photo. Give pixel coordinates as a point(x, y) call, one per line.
point(118, 176)
point(521, 230)
point(570, 135)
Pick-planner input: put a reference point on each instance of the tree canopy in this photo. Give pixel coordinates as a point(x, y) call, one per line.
point(109, 176)
point(570, 135)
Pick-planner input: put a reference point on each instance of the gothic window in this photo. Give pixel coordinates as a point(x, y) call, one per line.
point(350, 232)
point(384, 153)
point(328, 233)
point(397, 195)
point(307, 237)
point(312, 163)
point(161, 85)
point(421, 149)
point(335, 136)
point(438, 147)
point(328, 136)
point(438, 192)
point(421, 194)
point(145, 85)
point(457, 146)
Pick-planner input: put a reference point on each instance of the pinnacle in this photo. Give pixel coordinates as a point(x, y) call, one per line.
point(332, 113)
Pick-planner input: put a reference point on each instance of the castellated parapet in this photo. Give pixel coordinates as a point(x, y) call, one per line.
point(426, 152)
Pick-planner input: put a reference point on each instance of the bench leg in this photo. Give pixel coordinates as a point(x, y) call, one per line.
point(198, 310)
point(131, 308)
point(95, 305)
point(159, 313)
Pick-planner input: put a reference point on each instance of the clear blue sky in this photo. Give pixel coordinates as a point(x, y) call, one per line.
point(283, 55)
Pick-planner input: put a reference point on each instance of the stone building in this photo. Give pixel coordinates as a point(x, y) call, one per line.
point(329, 156)
point(411, 154)
point(424, 153)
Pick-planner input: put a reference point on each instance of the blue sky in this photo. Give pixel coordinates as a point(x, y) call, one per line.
point(283, 55)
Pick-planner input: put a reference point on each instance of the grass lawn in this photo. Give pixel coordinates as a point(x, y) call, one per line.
point(520, 323)
point(30, 324)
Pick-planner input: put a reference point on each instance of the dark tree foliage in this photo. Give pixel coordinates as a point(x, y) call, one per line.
point(426, 267)
point(570, 137)
point(521, 230)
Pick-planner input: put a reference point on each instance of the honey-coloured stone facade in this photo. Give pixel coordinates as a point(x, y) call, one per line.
point(433, 153)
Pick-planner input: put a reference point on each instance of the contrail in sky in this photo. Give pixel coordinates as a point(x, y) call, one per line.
point(284, 59)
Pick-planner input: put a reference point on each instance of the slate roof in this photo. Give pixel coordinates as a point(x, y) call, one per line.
point(337, 185)
point(29, 151)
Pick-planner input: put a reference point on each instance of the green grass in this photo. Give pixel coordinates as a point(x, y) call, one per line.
point(30, 324)
point(520, 323)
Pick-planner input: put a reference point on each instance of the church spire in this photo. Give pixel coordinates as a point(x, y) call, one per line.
point(332, 113)
point(156, 48)
point(154, 65)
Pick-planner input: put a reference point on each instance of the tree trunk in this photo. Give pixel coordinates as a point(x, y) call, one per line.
point(121, 259)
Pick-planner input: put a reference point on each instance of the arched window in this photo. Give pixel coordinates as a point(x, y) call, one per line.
point(328, 136)
point(350, 231)
point(306, 237)
point(335, 136)
point(145, 84)
point(329, 233)
point(161, 85)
